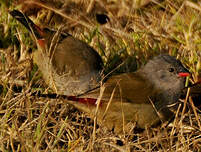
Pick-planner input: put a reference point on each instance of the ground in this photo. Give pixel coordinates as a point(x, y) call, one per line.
point(121, 33)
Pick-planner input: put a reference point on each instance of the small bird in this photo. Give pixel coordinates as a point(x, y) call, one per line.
point(69, 66)
point(146, 97)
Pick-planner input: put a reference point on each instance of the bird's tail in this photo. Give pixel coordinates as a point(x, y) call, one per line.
point(88, 101)
point(28, 23)
point(87, 105)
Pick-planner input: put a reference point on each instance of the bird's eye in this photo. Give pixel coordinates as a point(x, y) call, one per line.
point(171, 69)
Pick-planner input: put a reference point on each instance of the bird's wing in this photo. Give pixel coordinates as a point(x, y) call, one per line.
point(77, 56)
point(129, 87)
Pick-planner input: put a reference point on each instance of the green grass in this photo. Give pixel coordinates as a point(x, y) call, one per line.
point(133, 36)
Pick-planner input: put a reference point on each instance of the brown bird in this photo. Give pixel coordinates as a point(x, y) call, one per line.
point(69, 66)
point(146, 97)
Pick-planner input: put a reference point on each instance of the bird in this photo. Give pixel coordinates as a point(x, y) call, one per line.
point(69, 66)
point(146, 97)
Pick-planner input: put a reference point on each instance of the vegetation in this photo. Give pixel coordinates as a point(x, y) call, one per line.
point(130, 37)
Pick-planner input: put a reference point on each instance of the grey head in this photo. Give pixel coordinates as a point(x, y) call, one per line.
point(164, 72)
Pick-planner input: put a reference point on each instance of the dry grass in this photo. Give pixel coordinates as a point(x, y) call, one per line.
point(38, 124)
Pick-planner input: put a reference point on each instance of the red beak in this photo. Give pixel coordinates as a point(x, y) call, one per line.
point(184, 74)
